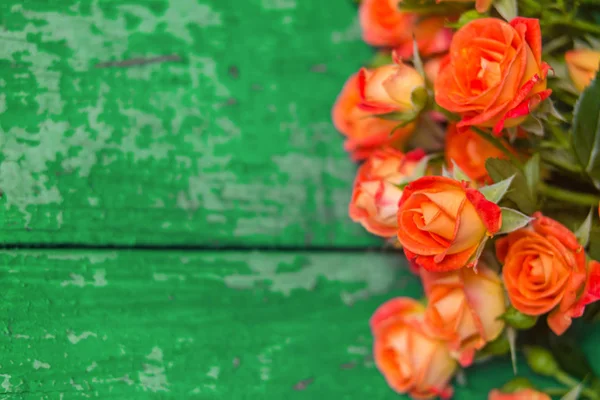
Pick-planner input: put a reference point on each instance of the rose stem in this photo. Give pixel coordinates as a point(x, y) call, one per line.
point(583, 199)
point(565, 379)
point(498, 144)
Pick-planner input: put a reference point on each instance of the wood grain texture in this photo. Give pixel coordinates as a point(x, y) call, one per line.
point(189, 122)
point(145, 325)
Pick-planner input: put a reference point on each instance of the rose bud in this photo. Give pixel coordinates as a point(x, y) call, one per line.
point(545, 271)
point(464, 307)
point(409, 357)
point(582, 66)
point(389, 88)
point(470, 152)
point(364, 132)
point(495, 75)
point(376, 193)
point(523, 394)
point(442, 222)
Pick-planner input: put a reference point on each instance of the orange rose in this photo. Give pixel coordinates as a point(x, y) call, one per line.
point(480, 5)
point(495, 75)
point(364, 131)
point(384, 25)
point(523, 394)
point(376, 195)
point(470, 152)
point(582, 65)
point(545, 271)
point(464, 307)
point(442, 222)
point(389, 88)
point(411, 360)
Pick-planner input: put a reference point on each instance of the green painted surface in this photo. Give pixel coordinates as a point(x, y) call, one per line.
point(214, 325)
point(197, 122)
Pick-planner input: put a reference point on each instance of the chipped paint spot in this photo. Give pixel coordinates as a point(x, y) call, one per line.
point(165, 277)
point(334, 267)
point(39, 364)
point(20, 336)
point(153, 377)
point(6, 382)
point(73, 338)
point(91, 367)
point(214, 372)
point(76, 386)
point(49, 336)
point(359, 350)
point(99, 280)
point(278, 4)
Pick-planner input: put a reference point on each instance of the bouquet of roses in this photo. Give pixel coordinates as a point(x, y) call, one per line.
point(478, 130)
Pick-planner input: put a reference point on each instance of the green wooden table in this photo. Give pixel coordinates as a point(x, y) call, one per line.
point(174, 205)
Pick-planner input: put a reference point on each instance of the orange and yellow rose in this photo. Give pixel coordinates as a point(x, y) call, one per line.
point(545, 271)
point(364, 131)
point(376, 193)
point(523, 394)
point(442, 222)
point(470, 152)
point(495, 75)
point(389, 88)
point(384, 25)
point(464, 307)
point(582, 65)
point(409, 357)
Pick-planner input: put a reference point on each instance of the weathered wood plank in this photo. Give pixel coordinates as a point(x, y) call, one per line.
point(175, 122)
point(140, 324)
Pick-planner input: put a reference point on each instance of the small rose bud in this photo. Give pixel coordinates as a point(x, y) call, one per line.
point(517, 319)
point(516, 384)
point(541, 361)
point(390, 88)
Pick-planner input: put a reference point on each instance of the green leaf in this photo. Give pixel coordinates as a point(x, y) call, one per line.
point(420, 168)
point(583, 232)
point(532, 174)
point(586, 129)
point(458, 173)
point(517, 319)
point(520, 194)
point(497, 347)
point(446, 173)
point(496, 192)
point(417, 62)
point(547, 107)
point(574, 393)
point(533, 125)
point(465, 18)
point(512, 220)
point(506, 8)
point(511, 335)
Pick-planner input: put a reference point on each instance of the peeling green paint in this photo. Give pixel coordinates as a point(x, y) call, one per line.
point(154, 122)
